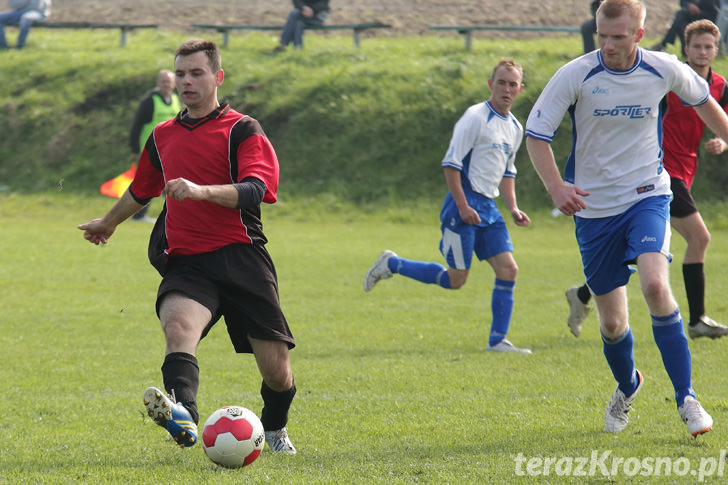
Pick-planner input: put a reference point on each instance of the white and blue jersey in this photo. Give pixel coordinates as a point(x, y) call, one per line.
point(483, 147)
point(617, 125)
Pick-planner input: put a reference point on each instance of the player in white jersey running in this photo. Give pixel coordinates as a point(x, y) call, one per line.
point(683, 134)
point(619, 194)
point(479, 165)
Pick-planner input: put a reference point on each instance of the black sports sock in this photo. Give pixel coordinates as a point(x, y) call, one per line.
point(583, 294)
point(181, 377)
point(275, 407)
point(694, 278)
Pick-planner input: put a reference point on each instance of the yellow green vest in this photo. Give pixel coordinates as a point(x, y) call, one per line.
point(162, 112)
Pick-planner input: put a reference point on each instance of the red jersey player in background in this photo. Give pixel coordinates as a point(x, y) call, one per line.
point(683, 131)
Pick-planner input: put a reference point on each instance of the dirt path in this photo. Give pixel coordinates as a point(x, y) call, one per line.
point(408, 17)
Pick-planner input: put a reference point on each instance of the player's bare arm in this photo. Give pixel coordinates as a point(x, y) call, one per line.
point(467, 213)
point(714, 116)
point(508, 192)
point(566, 198)
point(181, 189)
point(98, 231)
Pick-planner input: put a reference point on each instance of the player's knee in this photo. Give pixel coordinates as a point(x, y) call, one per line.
point(611, 326)
point(174, 329)
point(456, 285)
point(274, 365)
point(698, 242)
point(457, 280)
point(178, 338)
point(655, 290)
point(279, 379)
point(704, 240)
point(507, 272)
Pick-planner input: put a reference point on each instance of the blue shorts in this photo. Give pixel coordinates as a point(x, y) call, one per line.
point(460, 240)
point(609, 245)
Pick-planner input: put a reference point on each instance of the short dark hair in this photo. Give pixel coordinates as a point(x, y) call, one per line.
point(699, 27)
point(199, 45)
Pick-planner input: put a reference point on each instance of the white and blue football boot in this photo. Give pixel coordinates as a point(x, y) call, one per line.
point(279, 442)
point(173, 417)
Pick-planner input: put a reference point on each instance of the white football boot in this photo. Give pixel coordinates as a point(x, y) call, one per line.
point(379, 270)
point(577, 310)
point(697, 420)
point(617, 415)
point(506, 346)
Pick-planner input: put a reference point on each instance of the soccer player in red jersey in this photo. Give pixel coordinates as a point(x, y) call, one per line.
point(683, 132)
point(216, 167)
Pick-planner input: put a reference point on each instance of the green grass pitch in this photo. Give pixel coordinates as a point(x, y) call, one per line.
point(395, 385)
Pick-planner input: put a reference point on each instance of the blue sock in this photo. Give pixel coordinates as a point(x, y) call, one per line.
point(670, 339)
point(501, 305)
point(432, 273)
point(620, 358)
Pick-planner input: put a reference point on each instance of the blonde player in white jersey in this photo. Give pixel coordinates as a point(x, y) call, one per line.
point(618, 192)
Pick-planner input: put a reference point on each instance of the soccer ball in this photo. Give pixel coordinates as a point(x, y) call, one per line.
point(233, 437)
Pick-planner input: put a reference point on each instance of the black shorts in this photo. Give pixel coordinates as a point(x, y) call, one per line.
point(237, 282)
point(682, 204)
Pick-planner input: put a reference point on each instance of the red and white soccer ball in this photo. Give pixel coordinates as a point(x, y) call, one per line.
point(233, 437)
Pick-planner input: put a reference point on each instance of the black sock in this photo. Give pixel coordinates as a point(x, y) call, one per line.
point(275, 407)
point(694, 278)
point(583, 294)
point(181, 377)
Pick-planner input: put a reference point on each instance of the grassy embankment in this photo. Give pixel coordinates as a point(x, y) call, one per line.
point(367, 126)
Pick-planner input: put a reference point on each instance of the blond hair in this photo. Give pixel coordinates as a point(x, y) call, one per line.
point(508, 64)
point(613, 9)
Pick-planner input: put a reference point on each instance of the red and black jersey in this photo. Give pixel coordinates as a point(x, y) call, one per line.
point(683, 130)
point(222, 148)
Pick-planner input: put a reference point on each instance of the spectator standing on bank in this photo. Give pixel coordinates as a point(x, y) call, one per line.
point(160, 104)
